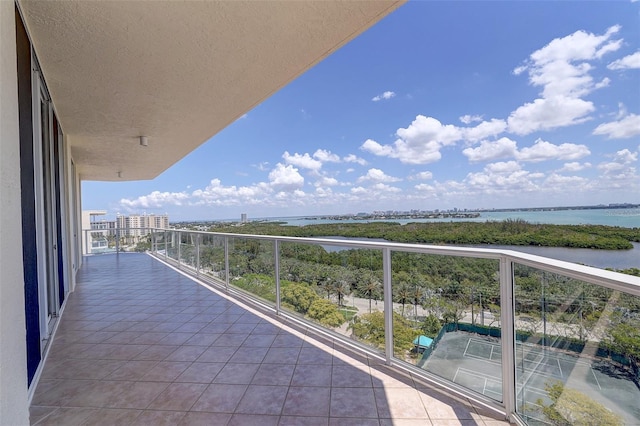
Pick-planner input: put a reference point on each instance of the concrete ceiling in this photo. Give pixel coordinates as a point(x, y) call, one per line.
point(177, 72)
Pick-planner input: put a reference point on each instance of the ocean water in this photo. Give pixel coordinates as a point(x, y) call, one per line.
point(617, 259)
point(626, 218)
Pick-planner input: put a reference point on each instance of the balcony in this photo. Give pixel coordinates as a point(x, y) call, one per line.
point(139, 343)
point(299, 330)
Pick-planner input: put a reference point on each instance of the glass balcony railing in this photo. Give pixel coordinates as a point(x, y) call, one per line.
point(544, 341)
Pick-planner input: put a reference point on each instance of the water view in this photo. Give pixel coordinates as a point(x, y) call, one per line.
point(617, 259)
point(627, 218)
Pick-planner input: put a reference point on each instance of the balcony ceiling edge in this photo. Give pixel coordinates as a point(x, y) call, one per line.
point(176, 72)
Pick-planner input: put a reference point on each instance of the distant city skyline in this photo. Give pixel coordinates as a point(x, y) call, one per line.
point(441, 105)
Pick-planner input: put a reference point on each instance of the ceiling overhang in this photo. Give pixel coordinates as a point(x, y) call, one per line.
point(176, 72)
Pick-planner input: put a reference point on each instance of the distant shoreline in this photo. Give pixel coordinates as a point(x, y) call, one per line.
point(625, 215)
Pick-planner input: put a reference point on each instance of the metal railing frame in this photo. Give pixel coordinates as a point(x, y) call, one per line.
point(506, 259)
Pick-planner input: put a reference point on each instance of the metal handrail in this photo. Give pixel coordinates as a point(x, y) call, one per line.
point(506, 261)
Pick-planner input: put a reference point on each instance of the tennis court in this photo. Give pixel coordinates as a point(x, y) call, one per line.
point(475, 362)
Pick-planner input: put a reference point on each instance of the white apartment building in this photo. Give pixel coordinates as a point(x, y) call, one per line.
point(134, 225)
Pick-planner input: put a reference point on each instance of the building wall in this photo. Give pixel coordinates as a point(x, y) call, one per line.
point(14, 408)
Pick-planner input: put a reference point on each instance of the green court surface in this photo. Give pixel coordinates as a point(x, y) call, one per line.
point(475, 361)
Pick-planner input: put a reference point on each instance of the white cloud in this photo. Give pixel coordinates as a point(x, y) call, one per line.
point(542, 151)
point(323, 192)
point(216, 194)
point(386, 95)
point(505, 182)
point(548, 114)
point(377, 175)
point(621, 159)
point(560, 67)
point(503, 167)
point(359, 190)
point(491, 150)
point(483, 130)
point(424, 130)
point(326, 181)
point(468, 119)
point(422, 176)
point(419, 143)
point(376, 149)
point(383, 187)
point(351, 158)
point(326, 156)
point(628, 62)
point(286, 177)
point(155, 200)
point(560, 183)
point(425, 187)
point(263, 167)
point(304, 161)
point(625, 156)
point(563, 71)
point(624, 128)
point(574, 166)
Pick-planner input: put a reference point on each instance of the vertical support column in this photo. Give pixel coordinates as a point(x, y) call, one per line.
point(14, 406)
point(507, 328)
point(198, 236)
point(166, 246)
point(276, 250)
point(388, 305)
point(117, 238)
point(179, 235)
point(226, 262)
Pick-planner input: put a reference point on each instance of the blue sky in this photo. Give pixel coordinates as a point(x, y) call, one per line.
point(439, 105)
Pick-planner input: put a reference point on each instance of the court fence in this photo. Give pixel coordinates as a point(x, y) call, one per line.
point(557, 342)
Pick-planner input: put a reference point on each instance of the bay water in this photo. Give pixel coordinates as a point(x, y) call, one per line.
point(617, 259)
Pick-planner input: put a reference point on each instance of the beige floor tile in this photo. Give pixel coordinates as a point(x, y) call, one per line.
point(220, 398)
point(353, 402)
point(139, 395)
point(346, 421)
point(445, 408)
point(303, 421)
point(312, 375)
point(68, 417)
point(112, 417)
point(205, 419)
point(253, 420)
point(307, 401)
point(350, 376)
point(159, 418)
point(274, 374)
point(263, 400)
point(178, 397)
point(400, 403)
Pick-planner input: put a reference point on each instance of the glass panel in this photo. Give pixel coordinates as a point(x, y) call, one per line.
point(251, 267)
point(577, 351)
point(172, 244)
point(188, 249)
point(159, 240)
point(447, 318)
point(320, 283)
point(212, 257)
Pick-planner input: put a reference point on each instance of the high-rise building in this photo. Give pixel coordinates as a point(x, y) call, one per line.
point(135, 225)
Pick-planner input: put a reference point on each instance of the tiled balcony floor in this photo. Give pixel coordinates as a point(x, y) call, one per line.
point(140, 343)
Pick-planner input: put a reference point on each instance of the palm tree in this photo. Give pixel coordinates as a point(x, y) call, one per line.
point(416, 296)
point(371, 288)
point(402, 295)
point(342, 288)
